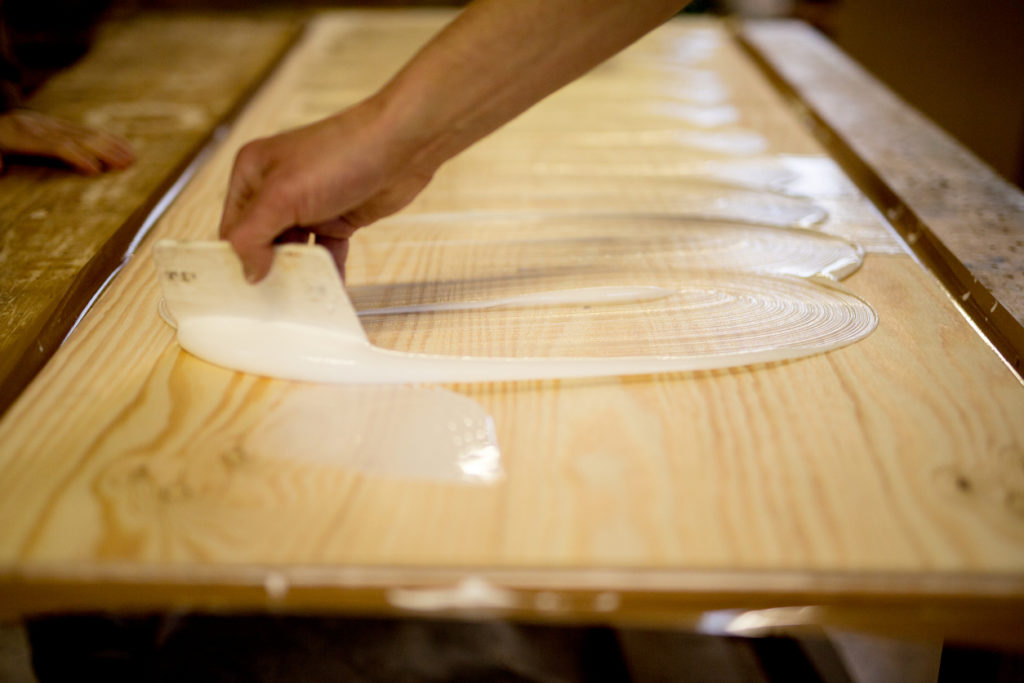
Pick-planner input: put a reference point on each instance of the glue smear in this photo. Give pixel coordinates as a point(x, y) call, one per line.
point(299, 323)
point(424, 433)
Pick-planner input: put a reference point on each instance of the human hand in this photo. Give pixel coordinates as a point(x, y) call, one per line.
point(87, 150)
point(329, 178)
point(334, 176)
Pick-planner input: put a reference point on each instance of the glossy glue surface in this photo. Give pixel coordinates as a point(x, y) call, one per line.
point(300, 324)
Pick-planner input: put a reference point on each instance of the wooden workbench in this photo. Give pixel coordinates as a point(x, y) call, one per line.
point(147, 78)
point(877, 486)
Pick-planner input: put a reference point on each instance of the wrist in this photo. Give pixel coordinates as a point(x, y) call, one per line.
point(423, 130)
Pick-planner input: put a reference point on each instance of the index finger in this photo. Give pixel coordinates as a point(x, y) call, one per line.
point(258, 224)
point(240, 191)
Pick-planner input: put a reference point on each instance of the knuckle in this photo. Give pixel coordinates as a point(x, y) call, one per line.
point(280, 194)
point(250, 154)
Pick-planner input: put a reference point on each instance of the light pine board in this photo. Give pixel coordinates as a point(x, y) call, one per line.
point(892, 467)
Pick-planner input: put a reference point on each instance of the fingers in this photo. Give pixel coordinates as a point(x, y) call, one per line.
point(339, 251)
point(266, 195)
point(90, 155)
point(330, 178)
point(112, 151)
point(86, 150)
point(75, 155)
point(260, 210)
point(338, 247)
point(109, 150)
point(253, 235)
point(340, 228)
point(246, 174)
point(260, 206)
point(332, 234)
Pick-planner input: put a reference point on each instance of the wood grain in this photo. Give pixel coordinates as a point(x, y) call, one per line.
point(963, 220)
point(149, 80)
point(888, 472)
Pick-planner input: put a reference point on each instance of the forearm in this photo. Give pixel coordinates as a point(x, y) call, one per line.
point(351, 169)
point(497, 59)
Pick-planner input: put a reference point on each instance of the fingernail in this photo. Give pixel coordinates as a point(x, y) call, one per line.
point(250, 274)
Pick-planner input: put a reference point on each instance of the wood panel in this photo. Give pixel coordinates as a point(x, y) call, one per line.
point(963, 220)
point(888, 471)
point(148, 79)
